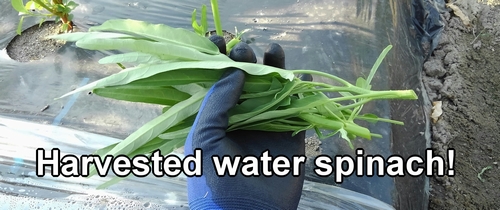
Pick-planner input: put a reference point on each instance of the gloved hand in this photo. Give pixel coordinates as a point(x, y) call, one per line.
point(209, 133)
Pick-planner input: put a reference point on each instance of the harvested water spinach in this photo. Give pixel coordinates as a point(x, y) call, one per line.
point(175, 68)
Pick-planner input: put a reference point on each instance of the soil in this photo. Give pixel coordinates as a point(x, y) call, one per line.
point(464, 73)
point(228, 36)
point(32, 44)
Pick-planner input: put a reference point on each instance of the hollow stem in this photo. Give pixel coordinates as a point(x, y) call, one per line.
point(389, 94)
point(335, 78)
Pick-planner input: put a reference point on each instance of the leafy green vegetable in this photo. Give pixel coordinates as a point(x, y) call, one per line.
point(159, 33)
point(272, 100)
point(155, 127)
point(145, 71)
point(147, 94)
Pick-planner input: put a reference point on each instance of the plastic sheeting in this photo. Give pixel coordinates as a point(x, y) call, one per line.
point(341, 37)
point(22, 189)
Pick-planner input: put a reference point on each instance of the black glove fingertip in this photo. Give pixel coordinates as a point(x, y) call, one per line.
point(219, 42)
point(274, 56)
point(241, 52)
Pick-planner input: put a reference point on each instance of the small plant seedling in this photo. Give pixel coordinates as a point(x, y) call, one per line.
point(482, 172)
point(203, 28)
point(46, 9)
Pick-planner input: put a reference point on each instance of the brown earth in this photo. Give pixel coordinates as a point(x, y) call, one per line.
point(464, 73)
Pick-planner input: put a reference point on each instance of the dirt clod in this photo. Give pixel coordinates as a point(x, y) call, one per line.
point(313, 148)
point(434, 68)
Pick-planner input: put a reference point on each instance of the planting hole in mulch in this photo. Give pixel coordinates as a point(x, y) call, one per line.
point(32, 44)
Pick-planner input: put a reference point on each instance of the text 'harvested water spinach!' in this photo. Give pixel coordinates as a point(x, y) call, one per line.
point(175, 68)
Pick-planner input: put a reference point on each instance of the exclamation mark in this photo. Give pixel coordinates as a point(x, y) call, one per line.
point(451, 162)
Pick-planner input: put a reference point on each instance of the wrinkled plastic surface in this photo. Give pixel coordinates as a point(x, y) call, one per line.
point(22, 189)
point(341, 37)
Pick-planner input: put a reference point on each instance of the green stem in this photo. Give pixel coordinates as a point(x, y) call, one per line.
point(338, 79)
point(45, 6)
point(380, 120)
point(215, 13)
point(389, 94)
point(63, 16)
point(231, 44)
point(330, 88)
point(350, 106)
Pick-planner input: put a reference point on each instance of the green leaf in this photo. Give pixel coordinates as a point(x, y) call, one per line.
point(354, 129)
point(180, 77)
point(204, 22)
point(165, 147)
point(76, 36)
point(275, 127)
point(149, 147)
point(164, 50)
point(39, 6)
point(61, 8)
point(190, 88)
point(145, 94)
point(161, 33)
point(344, 135)
point(194, 24)
point(321, 122)
point(183, 133)
point(72, 5)
point(377, 64)
point(231, 44)
point(373, 119)
point(131, 57)
point(257, 84)
point(153, 128)
point(296, 107)
point(20, 26)
point(253, 104)
point(259, 94)
point(360, 82)
point(18, 5)
point(262, 108)
point(101, 152)
point(65, 27)
point(30, 5)
point(42, 21)
point(145, 71)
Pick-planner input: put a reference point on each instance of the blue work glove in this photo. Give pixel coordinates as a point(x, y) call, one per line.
point(208, 133)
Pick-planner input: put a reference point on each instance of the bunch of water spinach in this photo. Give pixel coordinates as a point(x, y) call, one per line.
point(60, 9)
point(175, 68)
